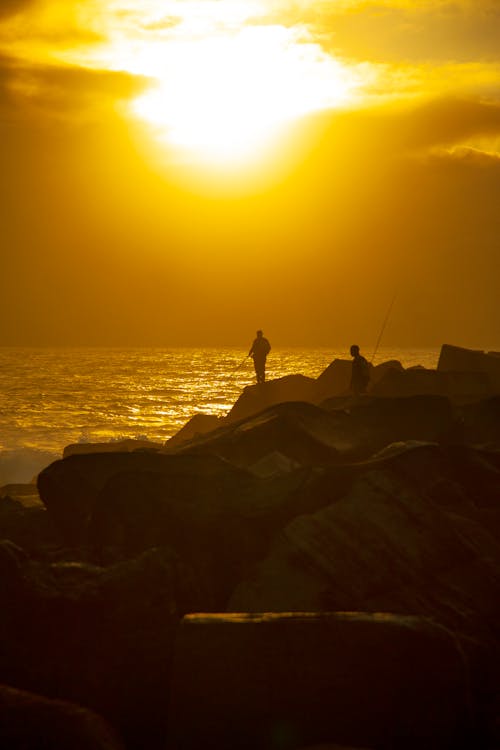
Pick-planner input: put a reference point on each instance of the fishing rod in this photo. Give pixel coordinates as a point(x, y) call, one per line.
point(238, 366)
point(383, 327)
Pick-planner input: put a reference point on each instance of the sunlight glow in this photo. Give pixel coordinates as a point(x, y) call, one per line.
point(221, 97)
point(223, 79)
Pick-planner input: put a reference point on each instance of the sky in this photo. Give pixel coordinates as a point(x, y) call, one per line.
point(184, 172)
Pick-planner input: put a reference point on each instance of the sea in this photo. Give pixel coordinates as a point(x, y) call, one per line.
point(52, 397)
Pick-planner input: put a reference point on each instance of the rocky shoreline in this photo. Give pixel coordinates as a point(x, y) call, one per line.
point(311, 570)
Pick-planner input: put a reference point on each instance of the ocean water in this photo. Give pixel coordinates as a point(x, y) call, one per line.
point(51, 397)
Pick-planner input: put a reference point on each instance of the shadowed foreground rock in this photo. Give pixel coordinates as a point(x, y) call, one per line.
point(31, 722)
point(287, 681)
point(101, 638)
point(413, 531)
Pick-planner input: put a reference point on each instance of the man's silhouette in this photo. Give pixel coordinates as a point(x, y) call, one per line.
point(259, 351)
point(360, 372)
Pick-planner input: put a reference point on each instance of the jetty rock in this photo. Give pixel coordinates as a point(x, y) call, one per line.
point(29, 722)
point(199, 424)
point(114, 446)
point(458, 359)
point(292, 680)
point(70, 488)
point(29, 526)
point(414, 531)
point(256, 398)
point(305, 433)
point(101, 638)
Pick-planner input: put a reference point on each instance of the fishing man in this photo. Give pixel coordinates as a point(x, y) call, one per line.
point(360, 372)
point(259, 351)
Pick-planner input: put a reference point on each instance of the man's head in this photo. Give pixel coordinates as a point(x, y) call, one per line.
point(354, 350)
point(259, 334)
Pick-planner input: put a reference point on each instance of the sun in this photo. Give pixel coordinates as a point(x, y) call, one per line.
point(222, 98)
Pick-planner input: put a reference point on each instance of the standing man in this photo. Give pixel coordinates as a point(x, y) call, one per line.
point(259, 351)
point(360, 372)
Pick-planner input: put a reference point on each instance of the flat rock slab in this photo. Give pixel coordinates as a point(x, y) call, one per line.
point(291, 680)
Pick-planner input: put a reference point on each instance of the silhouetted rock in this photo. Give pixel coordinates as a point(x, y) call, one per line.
point(28, 526)
point(256, 398)
point(258, 681)
point(69, 488)
point(220, 525)
point(409, 532)
point(481, 421)
point(199, 424)
point(31, 722)
point(101, 638)
point(335, 380)
point(458, 359)
point(114, 446)
point(369, 424)
point(304, 433)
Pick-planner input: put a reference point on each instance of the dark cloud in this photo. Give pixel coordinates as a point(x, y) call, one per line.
point(61, 90)
point(11, 7)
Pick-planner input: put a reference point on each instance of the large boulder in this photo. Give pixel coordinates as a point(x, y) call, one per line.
point(456, 385)
point(335, 380)
point(411, 532)
point(31, 722)
point(199, 424)
point(303, 432)
point(481, 421)
point(128, 445)
point(27, 525)
point(98, 637)
point(69, 488)
point(458, 359)
point(285, 681)
point(256, 398)
point(370, 424)
point(219, 528)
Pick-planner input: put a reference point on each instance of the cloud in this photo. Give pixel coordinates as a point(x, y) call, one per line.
point(12, 7)
point(468, 156)
point(399, 30)
point(62, 90)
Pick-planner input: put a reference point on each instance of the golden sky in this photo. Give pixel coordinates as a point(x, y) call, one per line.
point(187, 171)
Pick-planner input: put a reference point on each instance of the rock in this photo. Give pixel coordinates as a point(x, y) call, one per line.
point(30, 722)
point(257, 681)
point(481, 421)
point(69, 488)
point(413, 382)
point(219, 527)
point(335, 380)
point(404, 533)
point(256, 398)
point(199, 424)
point(302, 432)
point(272, 465)
point(458, 359)
point(114, 446)
point(370, 424)
point(28, 526)
point(98, 637)
point(380, 371)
